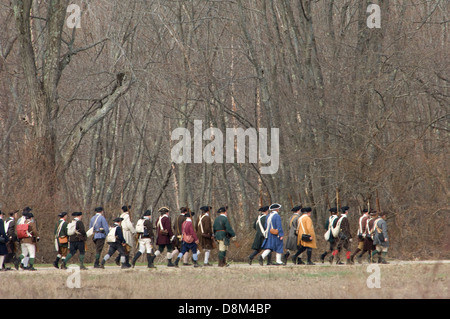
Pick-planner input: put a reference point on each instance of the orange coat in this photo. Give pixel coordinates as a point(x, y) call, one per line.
point(307, 223)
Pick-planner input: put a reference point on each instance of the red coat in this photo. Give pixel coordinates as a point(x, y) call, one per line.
point(188, 229)
point(164, 223)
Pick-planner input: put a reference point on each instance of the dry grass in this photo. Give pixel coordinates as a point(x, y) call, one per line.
point(239, 281)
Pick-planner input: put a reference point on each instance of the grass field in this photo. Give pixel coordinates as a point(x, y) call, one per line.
point(399, 280)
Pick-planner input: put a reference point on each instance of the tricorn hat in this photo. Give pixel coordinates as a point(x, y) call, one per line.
point(62, 214)
point(163, 210)
point(147, 213)
point(205, 208)
point(274, 206)
point(118, 219)
point(77, 213)
point(296, 208)
point(264, 209)
point(222, 209)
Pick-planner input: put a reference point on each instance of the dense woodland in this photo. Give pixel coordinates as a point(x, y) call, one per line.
point(86, 114)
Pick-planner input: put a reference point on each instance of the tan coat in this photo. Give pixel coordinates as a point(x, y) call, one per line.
point(307, 223)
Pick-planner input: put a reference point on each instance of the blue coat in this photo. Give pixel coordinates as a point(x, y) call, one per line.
point(101, 223)
point(273, 242)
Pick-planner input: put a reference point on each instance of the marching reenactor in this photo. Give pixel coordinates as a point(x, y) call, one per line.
point(344, 237)
point(362, 222)
point(10, 229)
point(189, 240)
point(116, 242)
point(165, 235)
point(101, 229)
point(291, 242)
point(368, 241)
point(380, 238)
point(273, 236)
point(223, 232)
point(144, 231)
point(306, 237)
point(28, 237)
point(61, 240)
point(128, 233)
point(77, 241)
point(329, 225)
point(259, 226)
point(3, 240)
point(177, 240)
point(205, 233)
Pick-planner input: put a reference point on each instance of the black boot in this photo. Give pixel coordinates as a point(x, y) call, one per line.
point(56, 262)
point(175, 264)
point(322, 257)
point(135, 258)
point(285, 257)
point(196, 264)
point(150, 259)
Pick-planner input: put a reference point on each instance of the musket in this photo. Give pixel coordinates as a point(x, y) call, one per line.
point(300, 198)
point(378, 202)
point(338, 204)
point(290, 199)
point(328, 201)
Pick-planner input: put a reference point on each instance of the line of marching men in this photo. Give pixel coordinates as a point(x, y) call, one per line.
point(70, 238)
point(372, 236)
point(186, 235)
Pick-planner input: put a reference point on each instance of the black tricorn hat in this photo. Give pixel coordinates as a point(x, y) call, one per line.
point(333, 210)
point(147, 213)
point(77, 213)
point(306, 209)
point(264, 209)
point(118, 219)
point(98, 209)
point(222, 209)
point(205, 208)
point(62, 214)
point(344, 208)
point(296, 208)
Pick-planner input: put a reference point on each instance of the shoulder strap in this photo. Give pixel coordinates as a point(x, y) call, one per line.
point(261, 227)
point(292, 219)
point(95, 221)
point(200, 222)
point(59, 228)
point(301, 223)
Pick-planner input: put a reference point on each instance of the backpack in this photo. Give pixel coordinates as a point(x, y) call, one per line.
point(335, 230)
point(72, 228)
point(328, 233)
point(22, 231)
point(140, 226)
point(111, 238)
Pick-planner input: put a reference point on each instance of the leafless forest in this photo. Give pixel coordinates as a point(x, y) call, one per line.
point(86, 114)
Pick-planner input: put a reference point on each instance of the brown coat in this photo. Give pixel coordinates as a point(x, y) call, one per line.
point(307, 223)
point(205, 236)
